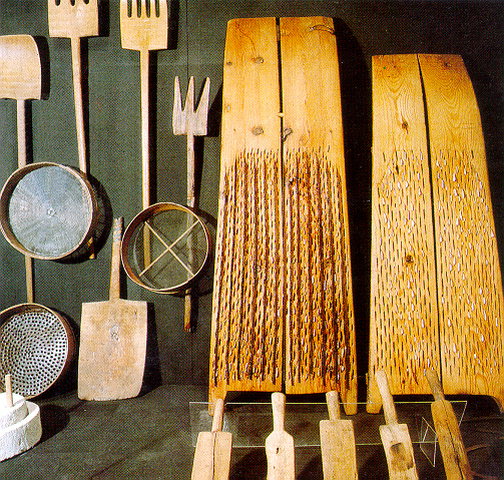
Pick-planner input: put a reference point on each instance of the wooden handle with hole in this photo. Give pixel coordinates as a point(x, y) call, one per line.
point(388, 402)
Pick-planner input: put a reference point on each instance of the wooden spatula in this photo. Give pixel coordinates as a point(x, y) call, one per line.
point(280, 444)
point(337, 441)
point(449, 437)
point(395, 437)
point(113, 340)
point(212, 458)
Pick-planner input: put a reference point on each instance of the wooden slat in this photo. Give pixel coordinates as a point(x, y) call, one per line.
point(471, 306)
point(247, 323)
point(320, 346)
point(404, 337)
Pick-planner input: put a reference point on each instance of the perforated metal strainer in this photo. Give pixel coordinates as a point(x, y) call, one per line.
point(37, 346)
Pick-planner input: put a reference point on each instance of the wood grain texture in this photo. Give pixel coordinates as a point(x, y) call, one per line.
point(248, 303)
point(320, 341)
point(404, 336)
point(470, 298)
point(282, 310)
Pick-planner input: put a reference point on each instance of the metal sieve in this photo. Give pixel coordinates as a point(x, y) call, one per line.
point(37, 346)
point(165, 248)
point(48, 211)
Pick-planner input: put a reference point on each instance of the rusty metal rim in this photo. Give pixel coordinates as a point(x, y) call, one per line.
point(141, 218)
point(7, 314)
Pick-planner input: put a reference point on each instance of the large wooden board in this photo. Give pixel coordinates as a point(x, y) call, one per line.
point(320, 346)
point(282, 313)
point(471, 306)
point(404, 336)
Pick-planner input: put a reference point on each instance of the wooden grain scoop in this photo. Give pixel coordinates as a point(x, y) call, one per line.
point(212, 458)
point(337, 441)
point(449, 437)
point(395, 437)
point(113, 340)
point(280, 444)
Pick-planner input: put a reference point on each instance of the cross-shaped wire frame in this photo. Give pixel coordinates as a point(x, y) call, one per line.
point(163, 222)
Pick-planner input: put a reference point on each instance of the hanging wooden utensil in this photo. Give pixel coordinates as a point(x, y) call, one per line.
point(395, 437)
point(280, 444)
point(212, 457)
point(190, 122)
point(337, 441)
point(450, 441)
point(113, 340)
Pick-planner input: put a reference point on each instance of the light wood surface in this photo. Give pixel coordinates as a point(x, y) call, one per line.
point(113, 340)
point(280, 444)
point(21, 79)
point(451, 445)
point(470, 297)
point(337, 442)
point(282, 310)
point(212, 457)
point(8, 391)
point(395, 437)
point(404, 336)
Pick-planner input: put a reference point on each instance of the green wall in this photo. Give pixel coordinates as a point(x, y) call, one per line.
point(473, 30)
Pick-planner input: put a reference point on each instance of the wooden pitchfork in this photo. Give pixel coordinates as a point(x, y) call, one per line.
point(191, 122)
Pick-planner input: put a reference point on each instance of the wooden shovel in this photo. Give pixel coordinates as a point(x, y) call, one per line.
point(447, 428)
point(337, 441)
point(279, 444)
point(113, 340)
point(395, 437)
point(21, 79)
point(212, 458)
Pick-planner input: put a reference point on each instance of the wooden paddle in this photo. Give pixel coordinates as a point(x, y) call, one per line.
point(279, 444)
point(337, 441)
point(395, 437)
point(212, 458)
point(447, 428)
point(113, 340)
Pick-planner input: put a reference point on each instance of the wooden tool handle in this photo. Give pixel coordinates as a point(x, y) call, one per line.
point(388, 402)
point(278, 406)
point(75, 43)
point(435, 384)
point(333, 405)
point(115, 263)
point(8, 391)
point(145, 105)
point(218, 415)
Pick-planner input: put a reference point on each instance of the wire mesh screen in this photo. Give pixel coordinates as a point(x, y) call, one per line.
point(167, 249)
point(50, 211)
point(34, 349)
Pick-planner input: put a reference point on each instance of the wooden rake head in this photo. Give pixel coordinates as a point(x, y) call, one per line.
point(188, 121)
point(73, 18)
point(144, 24)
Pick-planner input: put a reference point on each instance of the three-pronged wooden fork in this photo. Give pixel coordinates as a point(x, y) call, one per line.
point(75, 19)
point(144, 27)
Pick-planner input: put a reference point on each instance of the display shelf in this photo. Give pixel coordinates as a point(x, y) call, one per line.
point(251, 423)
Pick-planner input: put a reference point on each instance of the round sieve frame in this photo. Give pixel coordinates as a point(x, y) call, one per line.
point(48, 211)
point(171, 253)
point(37, 347)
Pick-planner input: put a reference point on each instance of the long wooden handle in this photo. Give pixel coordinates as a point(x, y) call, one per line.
point(144, 86)
point(8, 391)
point(75, 43)
point(115, 263)
point(278, 406)
point(333, 405)
point(22, 162)
point(435, 384)
point(388, 402)
point(218, 415)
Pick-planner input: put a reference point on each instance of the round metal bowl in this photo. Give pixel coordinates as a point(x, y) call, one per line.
point(37, 345)
point(48, 211)
point(165, 248)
